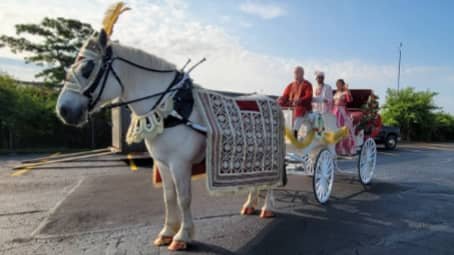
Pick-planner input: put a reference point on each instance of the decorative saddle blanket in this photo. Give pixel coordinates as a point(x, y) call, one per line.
point(245, 141)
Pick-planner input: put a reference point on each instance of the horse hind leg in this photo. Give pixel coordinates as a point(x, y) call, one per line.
point(172, 221)
point(250, 204)
point(266, 211)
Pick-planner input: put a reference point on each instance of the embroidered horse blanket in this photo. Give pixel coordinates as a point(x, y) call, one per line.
point(245, 141)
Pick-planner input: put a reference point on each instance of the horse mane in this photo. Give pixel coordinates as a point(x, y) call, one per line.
point(142, 57)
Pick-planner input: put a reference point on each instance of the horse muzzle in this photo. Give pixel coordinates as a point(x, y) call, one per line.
point(70, 115)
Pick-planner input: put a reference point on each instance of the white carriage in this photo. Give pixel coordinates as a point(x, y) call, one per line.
point(314, 154)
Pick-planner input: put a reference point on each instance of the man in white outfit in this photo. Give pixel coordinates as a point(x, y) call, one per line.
point(322, 99)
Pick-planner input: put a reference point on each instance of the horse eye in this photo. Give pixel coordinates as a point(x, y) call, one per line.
point(87, 69)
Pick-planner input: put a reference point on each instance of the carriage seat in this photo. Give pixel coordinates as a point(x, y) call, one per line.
point(356, 116)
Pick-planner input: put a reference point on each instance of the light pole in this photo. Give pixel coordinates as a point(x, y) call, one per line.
point(398, 69)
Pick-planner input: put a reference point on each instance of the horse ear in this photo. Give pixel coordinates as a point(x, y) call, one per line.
point(103, 38)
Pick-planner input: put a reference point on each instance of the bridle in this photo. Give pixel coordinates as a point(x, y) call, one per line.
point(181, 81)
point(178, 78)
point(103, 72)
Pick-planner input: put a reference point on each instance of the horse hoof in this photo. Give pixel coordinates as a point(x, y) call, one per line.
point(163, 240)
point(248, 210)
point(265, 214)
point(178, 246)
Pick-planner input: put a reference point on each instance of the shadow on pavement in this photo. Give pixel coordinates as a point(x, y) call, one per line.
point(385, 218)
point(199, 247)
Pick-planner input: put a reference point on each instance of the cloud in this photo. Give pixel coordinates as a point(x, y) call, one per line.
point(18, 69)
point(32, 11)
point(262, 10)
point(167, 29)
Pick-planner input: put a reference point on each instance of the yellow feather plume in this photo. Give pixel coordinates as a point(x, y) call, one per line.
point(111, 16)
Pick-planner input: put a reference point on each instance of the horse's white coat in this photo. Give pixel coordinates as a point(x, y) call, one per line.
point(175, 150)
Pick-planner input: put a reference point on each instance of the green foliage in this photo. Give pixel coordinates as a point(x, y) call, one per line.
point(415, 113)
point(444, 127)
point(28, 119)
point(55, 44)
point(7, 101)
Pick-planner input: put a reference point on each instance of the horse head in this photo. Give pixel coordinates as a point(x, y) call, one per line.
point(103, 69)
point(88, 84)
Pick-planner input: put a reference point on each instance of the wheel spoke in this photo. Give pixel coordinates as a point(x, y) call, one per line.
point(367, 161)
point(323, 176)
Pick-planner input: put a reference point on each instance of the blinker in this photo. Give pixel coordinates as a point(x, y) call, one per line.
point(87, 69)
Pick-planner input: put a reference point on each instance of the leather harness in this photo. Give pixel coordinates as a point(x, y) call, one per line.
point(183, 98)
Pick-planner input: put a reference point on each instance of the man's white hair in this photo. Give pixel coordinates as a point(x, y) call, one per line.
point(299, 68)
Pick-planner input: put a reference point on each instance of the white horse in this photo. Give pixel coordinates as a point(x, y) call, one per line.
point(102, 74)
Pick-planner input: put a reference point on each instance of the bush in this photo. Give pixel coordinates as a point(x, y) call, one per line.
point(415, 113)
point(444, 127)
point(28, 120)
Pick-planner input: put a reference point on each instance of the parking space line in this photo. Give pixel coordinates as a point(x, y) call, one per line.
point(424, 147)
point(132, 164)
point(56, 206)
point(29, 168)
point(434, 148)
point(389, 154)
point(21, 172)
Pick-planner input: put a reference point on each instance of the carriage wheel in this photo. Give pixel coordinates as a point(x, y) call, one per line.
point(367, 160)
point(322, 181)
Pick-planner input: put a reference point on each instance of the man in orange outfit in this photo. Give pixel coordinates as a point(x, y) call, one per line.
point(298, 95)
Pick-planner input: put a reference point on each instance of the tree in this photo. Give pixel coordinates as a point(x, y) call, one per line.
point(412, 110)
point(54, 46)
point(444, 123)
point(8, 112)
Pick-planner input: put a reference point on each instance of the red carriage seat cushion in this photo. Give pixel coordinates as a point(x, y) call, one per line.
point(356, 117)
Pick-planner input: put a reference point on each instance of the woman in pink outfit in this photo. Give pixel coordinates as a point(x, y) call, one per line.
point(341, 99)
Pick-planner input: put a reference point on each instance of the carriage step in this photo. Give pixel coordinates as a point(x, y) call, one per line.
point(298, 171)
point(293, 158)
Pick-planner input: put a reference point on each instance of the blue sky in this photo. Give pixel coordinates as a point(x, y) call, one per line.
point(253, 45)
point(343, 29)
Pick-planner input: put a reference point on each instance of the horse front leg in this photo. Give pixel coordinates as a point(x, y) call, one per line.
point(172, 221)
point(267, 211)
point(181, 173)
point(250, 204)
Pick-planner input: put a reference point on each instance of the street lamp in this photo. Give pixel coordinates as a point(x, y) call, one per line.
point(398, 68)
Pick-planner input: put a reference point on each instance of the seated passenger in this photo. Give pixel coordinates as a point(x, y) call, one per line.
point(298, 95)
point(341, 99)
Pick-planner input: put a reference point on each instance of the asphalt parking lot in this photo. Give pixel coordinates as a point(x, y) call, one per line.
point(109, 206)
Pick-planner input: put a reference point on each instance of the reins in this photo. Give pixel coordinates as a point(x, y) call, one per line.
point(180, 81)
point(180, 77)
point(141, 66)
point(123, 103)
point(106, 69)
